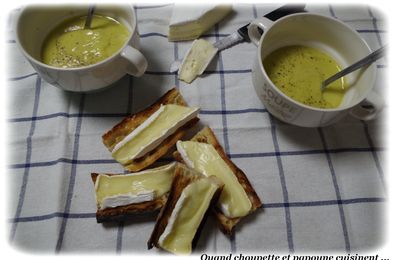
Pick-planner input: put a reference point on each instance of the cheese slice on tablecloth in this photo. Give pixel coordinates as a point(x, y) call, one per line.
point(188, 22)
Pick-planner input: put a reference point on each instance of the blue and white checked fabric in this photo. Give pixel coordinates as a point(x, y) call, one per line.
point(322, 189)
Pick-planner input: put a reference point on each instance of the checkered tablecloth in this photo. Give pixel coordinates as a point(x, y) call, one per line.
point(323, 189)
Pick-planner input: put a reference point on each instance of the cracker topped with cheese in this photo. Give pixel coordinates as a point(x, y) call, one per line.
point(179, 222)
point(119, 196)
point(238, 198)
point(142, 138)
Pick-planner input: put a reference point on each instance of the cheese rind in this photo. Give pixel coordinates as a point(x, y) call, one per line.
point(152, 132)
point(188, 23)
point(138, 130)
point(196, 60)
point(126, 199)
point(203, 157)
point(124, 189)
point(187, 215)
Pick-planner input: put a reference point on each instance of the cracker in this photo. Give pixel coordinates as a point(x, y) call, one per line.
point(226, 224)
point(127, 125)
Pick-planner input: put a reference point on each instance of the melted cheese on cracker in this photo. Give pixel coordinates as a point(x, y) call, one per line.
point(124, 189)
point(152, 132)
point(203, 157)
point(187, 215)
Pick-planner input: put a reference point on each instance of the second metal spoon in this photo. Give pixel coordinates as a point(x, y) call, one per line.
point(89, 16)
point(359, 64)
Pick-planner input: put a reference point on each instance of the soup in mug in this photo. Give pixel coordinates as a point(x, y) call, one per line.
point(69, 45)
point(298, 72)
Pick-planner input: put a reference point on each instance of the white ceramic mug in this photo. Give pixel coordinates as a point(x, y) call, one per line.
point(331, 35)
point(34, 23)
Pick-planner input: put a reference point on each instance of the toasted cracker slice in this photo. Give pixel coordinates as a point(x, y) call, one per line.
point(125, 212)
point(183, 177)
point(227, 224)
point(127, 125)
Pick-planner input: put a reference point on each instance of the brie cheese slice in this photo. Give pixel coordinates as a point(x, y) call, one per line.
point(153, 131)
point(196, 60)
point(187, 215)
point(124, 189)
point(203, 157)
point(188, 22)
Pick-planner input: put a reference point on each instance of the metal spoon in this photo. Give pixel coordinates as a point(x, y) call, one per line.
point(359, 64)
point(89, 16)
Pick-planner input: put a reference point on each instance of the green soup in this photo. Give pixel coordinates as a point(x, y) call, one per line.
point(69, 45)
point(298, 72)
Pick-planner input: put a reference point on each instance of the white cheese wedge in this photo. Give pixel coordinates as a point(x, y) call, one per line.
point(153, 131)
point(124, 189)
point(196, 60)
point(188, 22)
point(203, 157)
point(186, 216)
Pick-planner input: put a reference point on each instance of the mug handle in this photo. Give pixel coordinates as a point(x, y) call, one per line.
point(137, 60)
point(259, 23)
point(369, 107)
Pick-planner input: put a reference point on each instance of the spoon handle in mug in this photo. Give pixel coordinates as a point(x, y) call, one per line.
point(89, 16)
point(359, 64)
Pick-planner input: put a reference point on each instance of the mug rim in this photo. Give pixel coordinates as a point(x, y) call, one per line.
point(331, 19)
point(87, 67)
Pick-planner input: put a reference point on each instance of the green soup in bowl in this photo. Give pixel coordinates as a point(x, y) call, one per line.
point(69, 45)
